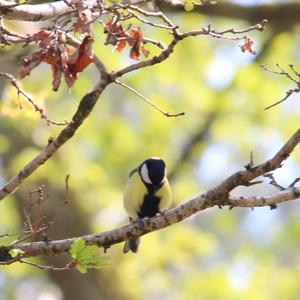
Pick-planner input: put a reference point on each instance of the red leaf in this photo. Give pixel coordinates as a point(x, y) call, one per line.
point(120, 45)
point(114, 28)
point(145, 51)
point(135, 53)
point(135, 36)
point(135, 41)
point(116, 35)
point(29, 63)
point(79, 61)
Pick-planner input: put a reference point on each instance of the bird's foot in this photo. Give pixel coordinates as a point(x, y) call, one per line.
point(161, 213)
point(139, 221)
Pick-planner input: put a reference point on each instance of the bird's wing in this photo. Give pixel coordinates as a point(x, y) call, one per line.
point(134, 195)
point(133, 171)
point(165, 195)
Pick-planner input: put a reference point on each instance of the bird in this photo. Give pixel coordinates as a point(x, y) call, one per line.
point(147, 193)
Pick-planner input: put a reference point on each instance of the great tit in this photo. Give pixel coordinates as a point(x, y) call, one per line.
point(147, 193)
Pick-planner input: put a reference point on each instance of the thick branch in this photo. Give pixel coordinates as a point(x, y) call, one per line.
point(175, 215)
point(217, 196)
point(35, 12)
point(259, 201)
point(275, 13)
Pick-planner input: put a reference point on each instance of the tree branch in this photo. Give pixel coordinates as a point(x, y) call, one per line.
point(36, 12)
point(285, 15)
point(282, 72)
point(217, 196)
point(165, 113)
point(179, 36)
point(259, 201)
point(275, 13)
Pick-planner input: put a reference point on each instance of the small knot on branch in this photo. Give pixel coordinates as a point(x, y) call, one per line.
point(262, 25)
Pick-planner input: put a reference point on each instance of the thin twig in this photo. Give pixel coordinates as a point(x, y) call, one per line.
point(160, 15)
point(286, 74)
point(146, 21)
point(34, 218)
point(178, 36)
point(250, 164)
point(294, 182)
point(288, 94)
point(47, 268)
point(274, 182)
point(295, 72)
point(14, 83)
point(259, 26)
point(7, 37)
point(167, 114)
point(66, 195)
point(222, 34)
point(282, 72)
point(159, 44)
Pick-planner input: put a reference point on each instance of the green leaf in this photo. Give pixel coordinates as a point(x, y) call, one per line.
point(15, 252)
point(89, 252)
point(82, 269)
point(188, 5)
point(77, 247)
point(86, 257)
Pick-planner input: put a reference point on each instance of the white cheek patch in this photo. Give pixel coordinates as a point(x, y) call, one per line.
point(165, 176)
point(145, 174)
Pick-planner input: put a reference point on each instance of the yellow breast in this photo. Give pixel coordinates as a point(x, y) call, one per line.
point(135, 192)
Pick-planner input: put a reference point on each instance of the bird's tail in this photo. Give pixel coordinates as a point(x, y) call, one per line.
point(132, 244)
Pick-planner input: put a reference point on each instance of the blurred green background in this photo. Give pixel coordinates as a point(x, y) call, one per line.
point(216, 254)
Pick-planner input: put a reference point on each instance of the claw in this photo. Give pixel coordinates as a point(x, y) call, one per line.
point(161, 213)
point(140, 222)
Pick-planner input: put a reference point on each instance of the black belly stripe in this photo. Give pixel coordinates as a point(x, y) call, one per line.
point(150, 206)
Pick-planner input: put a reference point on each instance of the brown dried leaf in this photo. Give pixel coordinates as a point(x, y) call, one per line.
point(29, 63)
point(145, 51)
point(135, 41)
point(55, 51)
point(120, 45)
point(56, 77)
point(116, 35)
point(247, 46)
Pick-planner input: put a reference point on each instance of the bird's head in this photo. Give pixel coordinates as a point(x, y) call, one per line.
point(153, 171)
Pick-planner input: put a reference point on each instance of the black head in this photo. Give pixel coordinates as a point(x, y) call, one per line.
point(153, 171)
